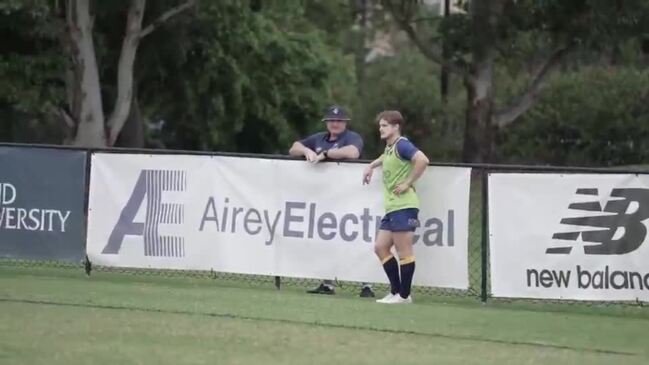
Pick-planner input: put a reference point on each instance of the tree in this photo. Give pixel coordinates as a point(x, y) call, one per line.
point(244, 76)
point(85, 105)
point(53, 66)
point(590, 117)
point(239, 79)
point(403, 82)
point(488, 35)
point(31, 65)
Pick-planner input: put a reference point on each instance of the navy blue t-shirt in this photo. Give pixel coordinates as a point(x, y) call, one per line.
point(320, 141)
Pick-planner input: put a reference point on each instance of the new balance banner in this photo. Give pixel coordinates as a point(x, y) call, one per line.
point(569, 236)
point(270, 217)
point(42, 203)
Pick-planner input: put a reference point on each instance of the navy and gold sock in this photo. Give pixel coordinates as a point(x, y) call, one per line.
point(391, 268)
point(407, 272)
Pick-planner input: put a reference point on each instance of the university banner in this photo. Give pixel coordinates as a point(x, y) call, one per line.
point(569, 236)
point(268, 217)
point(42, 194)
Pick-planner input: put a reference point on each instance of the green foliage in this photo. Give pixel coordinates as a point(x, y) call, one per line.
point(410, 84)
point(32, 70)
point(594, 117)
point(31, 64)
point(252, 76)
point(230, 75)
point(239, 83)
point(593, 23)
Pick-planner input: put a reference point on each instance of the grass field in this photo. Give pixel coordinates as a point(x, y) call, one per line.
point(60, 316)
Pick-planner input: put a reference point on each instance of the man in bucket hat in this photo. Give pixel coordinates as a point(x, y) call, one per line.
point(337, 143)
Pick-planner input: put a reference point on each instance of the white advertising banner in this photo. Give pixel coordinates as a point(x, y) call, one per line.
point(269, 217)
point(579, 236)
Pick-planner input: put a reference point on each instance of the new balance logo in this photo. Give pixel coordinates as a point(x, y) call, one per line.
point(602, 228)
point(150, 185)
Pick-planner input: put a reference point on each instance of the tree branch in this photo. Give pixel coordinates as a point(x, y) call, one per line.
point(69, 14)
point(508, 115)
point(125, 79)
point(426, 50)
point(166, 16)
point(125, 70)
point(67, 118)
point(431, 54)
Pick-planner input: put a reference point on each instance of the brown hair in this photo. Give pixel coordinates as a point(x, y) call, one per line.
point(391, 116)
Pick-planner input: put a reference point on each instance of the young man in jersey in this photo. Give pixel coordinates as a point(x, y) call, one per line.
point(337, 143)
point(402, 165)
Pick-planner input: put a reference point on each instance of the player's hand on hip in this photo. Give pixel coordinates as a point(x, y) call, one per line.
point(401, 188)
point(367, 175)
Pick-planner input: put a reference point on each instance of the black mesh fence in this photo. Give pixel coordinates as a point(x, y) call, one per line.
point(478, 251)
point(475, 263)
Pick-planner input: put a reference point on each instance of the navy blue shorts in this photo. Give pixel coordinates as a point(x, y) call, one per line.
point(403, 220)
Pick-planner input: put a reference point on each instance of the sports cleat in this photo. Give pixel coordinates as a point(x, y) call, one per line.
point(386, 299)
point(366, 292)
point(322, 289)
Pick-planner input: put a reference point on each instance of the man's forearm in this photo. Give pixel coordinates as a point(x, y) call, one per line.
point(297, 149)
point(347, 152)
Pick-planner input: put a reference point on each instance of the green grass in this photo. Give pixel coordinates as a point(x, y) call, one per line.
point(59, 316)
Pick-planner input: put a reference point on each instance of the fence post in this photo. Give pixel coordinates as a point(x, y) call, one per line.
point(485, 235)
point(87, 265)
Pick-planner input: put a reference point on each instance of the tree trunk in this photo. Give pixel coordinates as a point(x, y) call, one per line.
point(444, 74)
point(125, 70)
point(478, 132)
point(360, 12)
point(84, 92)
point(132, 134)
point(90, 113)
